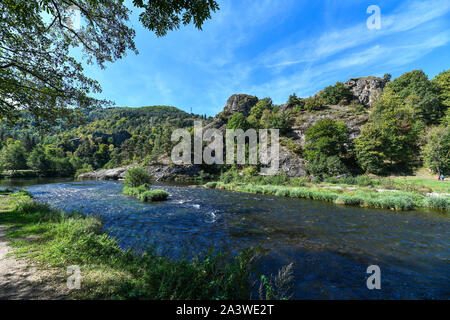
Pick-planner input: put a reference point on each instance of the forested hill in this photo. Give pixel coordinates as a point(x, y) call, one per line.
point(101, 137)
point(365, 125)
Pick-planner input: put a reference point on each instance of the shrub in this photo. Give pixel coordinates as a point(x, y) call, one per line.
point(314, 103)
point(211, 185)
point(154, 195)
point(136, 177)
point(324, 166)
point(134, 191)
point(337, 94)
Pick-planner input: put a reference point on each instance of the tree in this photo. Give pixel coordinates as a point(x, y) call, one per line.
point(442, 81)
point(421, 94)
point(260, 107)
point(161, 16)
point(369, 147)
point(327, 137)
point(39, 161)
point(326, 144)
point(296, 103)
point(337, 94)
point(136, 177)
point(315, 102)
point(12, 156)
point(437, 150)
point(38, 74)
point(387, 77)
point(101, 157)
point(238, 121)
point(391, 138)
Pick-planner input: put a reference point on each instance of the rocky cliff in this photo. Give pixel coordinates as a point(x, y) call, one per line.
point(366, 89)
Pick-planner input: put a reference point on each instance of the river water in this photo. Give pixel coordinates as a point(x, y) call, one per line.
point(330, 246)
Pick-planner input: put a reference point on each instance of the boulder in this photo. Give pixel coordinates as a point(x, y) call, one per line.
point(106, 174)
point(367, 89)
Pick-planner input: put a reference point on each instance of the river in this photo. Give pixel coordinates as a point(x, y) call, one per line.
point(330, 246)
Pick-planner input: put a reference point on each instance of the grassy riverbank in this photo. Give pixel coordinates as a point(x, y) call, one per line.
point(55, 240)
point(382, 193)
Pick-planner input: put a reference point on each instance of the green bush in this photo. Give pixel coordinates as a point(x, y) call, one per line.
point(154, 195)
point(136, 177)
point(337, 94)
point(314, 103)
point(134, 191)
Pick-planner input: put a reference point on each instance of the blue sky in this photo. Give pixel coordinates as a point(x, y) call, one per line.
point(273, 48)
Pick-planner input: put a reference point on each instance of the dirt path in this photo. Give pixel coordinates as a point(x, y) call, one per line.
point(21, 281)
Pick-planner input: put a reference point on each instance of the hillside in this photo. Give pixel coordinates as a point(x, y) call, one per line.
point(365, 125)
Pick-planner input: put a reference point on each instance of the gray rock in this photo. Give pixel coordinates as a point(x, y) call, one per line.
point(106, 174)
point(240, 103)
point(367, 90)
point(159, 172)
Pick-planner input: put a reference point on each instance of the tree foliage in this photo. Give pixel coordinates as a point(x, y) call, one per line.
point(327, 137)
point(391, 138)
point(442, 81)
point(12, 156)
point(238, 121)
point(337, 94)
point(437, 150)
point(326, 143)
point(421, 94)
point(37, 72)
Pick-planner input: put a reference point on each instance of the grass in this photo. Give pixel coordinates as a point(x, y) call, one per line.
point(61, 240)
point(392, 200)
point(145, 195)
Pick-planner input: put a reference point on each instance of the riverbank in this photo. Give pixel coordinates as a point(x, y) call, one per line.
point(366, 197)
point(53, 240)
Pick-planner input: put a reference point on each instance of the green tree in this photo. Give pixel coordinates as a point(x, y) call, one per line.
point(315, 102)
point(136, 177)
point(326, 145)
point(296, 103)
point(337, 94)
point(260, 107)
point(442, 81)
point(391, 138)
point(13, 156)
point(37, 72)
point(437, 150)
point(102, 156)
point(39, 161)
point(369, 147)
point(238, 121)
point(327, 137)
point(421, 94)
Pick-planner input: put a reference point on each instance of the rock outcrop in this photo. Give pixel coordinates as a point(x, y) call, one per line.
point(240, 103)
point(158, 172)
point(106, 174)
point(366, 89)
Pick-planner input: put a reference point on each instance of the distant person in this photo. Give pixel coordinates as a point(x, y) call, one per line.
point(442, 177)
point(439, 177)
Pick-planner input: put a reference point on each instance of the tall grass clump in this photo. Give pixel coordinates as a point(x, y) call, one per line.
point(144, 194)
point(438, 203)
point(134, 191)
point(153, 195)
